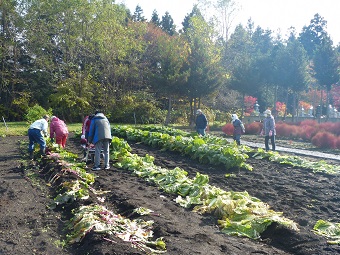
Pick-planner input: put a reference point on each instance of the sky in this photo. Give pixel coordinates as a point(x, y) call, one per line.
point(276, 15)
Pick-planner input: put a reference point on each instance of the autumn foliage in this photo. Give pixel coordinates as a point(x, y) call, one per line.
point(280, 108)
point(249, 103)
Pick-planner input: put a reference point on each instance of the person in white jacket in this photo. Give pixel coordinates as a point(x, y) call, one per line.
point(36, 133)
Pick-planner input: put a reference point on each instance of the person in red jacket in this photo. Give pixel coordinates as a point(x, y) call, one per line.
point(86, 125)
point(59, 129)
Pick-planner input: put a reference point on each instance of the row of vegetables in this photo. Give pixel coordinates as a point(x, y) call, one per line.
point(237, 213)
point(212, 149)
point(167, 138)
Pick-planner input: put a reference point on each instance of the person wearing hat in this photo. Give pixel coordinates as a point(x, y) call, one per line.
point(269, 130)
point(59, 129)
point(238, 128)
point(35, 135)
point(201, 122)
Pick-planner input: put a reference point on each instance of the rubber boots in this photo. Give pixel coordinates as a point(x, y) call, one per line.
point(31, 155)
point(42, 151)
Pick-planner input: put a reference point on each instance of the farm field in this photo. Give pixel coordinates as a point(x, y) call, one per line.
point(27, 226)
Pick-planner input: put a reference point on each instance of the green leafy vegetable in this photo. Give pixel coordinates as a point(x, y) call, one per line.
point(329, 230)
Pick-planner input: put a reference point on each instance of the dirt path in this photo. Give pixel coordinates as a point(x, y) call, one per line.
point(28, 227)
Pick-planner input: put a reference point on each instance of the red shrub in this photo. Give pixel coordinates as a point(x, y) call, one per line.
point(307, 132)
point(337, 128)
point(331, 127)
point(280, 129)
point(338, 142)
point(324, 140)
point(307, 129)
point(253, 128)
point(286, 130)
point(228, 129)
point(326, 126)
point(312, 123)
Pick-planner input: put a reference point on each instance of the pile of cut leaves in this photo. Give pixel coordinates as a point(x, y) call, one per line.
point(72, 185)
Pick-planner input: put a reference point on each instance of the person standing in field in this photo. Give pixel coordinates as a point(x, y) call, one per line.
point(201, 122)
point(100, 136)
point(59, 129)
point(238, 128)
point(269, 130)
point(36, 133)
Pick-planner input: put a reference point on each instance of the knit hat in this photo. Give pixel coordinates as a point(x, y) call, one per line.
point(267, 112)
point(234, 117)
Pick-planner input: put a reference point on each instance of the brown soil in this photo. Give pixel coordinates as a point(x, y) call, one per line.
point(28, 227)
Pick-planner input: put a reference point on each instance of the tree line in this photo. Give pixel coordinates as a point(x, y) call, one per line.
point(75, 56)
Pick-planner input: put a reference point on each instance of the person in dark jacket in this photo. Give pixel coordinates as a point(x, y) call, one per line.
point(269, 130)
point(201, 122)
point(100, 136)
point(238, 128)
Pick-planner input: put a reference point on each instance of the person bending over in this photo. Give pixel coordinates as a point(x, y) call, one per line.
point(36, 133)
